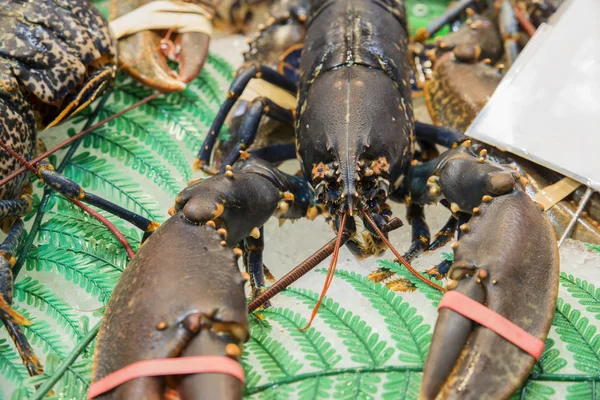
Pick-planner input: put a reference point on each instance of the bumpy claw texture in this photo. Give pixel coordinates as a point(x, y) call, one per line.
point(245, 199)
point(476, 40)
point(181, 295)
point(463, 179)
point(144, 54)
point(509, 262)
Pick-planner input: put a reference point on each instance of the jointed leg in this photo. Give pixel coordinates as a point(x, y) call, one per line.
point(236, 89)
point(11, 319)
point(420, 231)
point(249, 127)
point(438, 135)
point(253, 262)
point(73, 190)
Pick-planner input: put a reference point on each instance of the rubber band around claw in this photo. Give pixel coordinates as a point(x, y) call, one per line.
point(168, 366)
point(479, 313)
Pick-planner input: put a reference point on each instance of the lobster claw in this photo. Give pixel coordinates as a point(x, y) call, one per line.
point(145, 54)
point(498, 265)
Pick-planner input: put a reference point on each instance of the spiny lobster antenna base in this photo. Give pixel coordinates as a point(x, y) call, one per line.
point(330, 272)
point(398, 256)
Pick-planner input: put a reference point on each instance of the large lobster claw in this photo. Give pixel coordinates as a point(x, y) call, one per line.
point(506, 259)
point(144, 53)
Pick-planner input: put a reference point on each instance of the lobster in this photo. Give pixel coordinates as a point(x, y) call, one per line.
point(355, 138)
point(235, 205)
point(75, 62)
point(464, 78)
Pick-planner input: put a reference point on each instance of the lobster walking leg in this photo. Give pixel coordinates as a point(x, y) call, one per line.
point(245, 74)
point(11, 319)
point(73, 190)
point(259, 107)
point(420, 231)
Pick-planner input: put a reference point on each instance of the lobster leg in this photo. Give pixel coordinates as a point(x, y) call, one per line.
point(276, 153)
point(420, 231)
point(73, 190)
point(445, 234)
point(15, 208)
point(245, 74)
point(11, 319)
point(253, 262)
point(258, 108)
point(509, 27)
point(437, 135)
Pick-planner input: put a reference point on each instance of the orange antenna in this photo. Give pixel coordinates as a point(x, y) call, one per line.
point(330, 272)
point(399, 257)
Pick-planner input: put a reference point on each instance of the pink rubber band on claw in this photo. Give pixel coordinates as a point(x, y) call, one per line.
point(479, 313)
point(168, 366)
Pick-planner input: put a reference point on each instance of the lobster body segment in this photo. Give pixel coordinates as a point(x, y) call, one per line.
point(203, 313)
point(355, 118)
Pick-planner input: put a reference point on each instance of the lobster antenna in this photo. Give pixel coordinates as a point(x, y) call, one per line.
point(77, 136)
point(96, 215)
point(401, 259)
point(330, 271)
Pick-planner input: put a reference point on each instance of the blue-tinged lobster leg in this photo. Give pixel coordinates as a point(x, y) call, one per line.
point(451, 15)
point(253, 262)
point(420, 231)
point(73, 190)
point(258, 108)
point(245, 74)
point(445, 234)
point(437, 135)
point(15, 208)
point(11, 319)
point(276, 153)
point(509, 28)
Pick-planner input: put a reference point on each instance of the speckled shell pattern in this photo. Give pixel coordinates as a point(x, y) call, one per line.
point(46, 50)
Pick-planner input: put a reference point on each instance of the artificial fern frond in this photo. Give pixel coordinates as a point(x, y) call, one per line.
point(190, 126)
point(534, 391)
point(432, 294)
point(97, 278)
point(11, 367)
point(139, 125)
point(209, 88)
point(35, 294)
point(72, 385)
point(74, 222)
point(219, 64)
point(365, 347)
point(581, 338)
point(134, 155)
point(593, 247)
point(588, 294)
point(40, 333)
point(356, 386)
point(550, 362)
point(98, 175)
point(274, 358)
point(583, 391)
point(411, 335)
point(313, 345)
point(401, 385)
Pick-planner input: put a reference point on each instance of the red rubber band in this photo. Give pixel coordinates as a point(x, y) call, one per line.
point(479, 313)
point(168, 366)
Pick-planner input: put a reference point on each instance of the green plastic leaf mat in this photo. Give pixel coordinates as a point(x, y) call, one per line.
point(367, 341)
